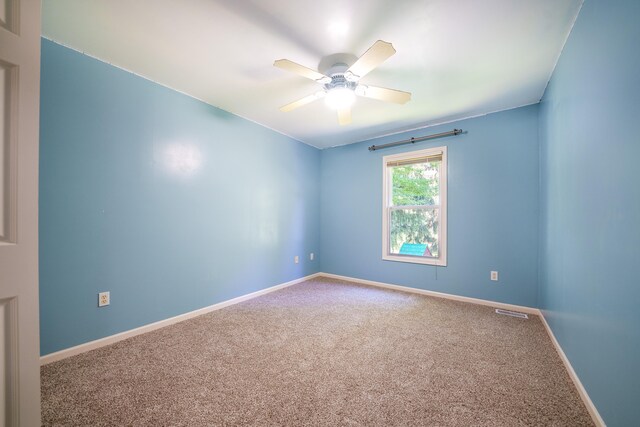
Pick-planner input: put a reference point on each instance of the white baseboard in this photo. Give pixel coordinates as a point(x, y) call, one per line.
point(512, 307)
point(595, 415)
point(92, 345)
point(72, 351)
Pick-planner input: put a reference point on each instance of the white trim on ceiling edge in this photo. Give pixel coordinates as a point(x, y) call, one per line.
point(92, 345)
point(58, 42)
point(417, 127)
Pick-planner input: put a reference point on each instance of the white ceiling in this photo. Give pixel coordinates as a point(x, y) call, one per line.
point(459, 58)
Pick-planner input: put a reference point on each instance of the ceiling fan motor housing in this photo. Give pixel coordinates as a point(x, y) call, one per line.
point(340, 78)
point(339, 81)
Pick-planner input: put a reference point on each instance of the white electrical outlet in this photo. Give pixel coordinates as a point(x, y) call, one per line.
point(296, 259)
point(311, 256)
point(494, 276)
point(104, 299)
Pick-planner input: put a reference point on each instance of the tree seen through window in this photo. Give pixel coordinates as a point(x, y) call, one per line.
point(414, 209)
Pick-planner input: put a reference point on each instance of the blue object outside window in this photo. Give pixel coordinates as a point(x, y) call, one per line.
point(416, 249)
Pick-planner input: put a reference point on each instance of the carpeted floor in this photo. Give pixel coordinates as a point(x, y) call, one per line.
point(324, 352)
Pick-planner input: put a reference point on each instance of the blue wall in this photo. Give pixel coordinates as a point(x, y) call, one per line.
point(492, 218)
point(165, 201)
point(173, 205)
point(590, 206)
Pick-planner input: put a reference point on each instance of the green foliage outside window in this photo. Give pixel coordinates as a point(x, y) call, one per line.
point(415, 185)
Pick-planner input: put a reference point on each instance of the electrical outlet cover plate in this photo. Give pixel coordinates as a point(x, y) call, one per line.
point(311, 256)
point(494, 276)
point(296, 259)
point(104, 299)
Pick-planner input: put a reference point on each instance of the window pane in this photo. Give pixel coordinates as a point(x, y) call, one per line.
point(416, 184)
point(414, 232)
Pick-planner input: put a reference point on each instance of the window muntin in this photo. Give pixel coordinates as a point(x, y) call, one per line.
point(414, 211)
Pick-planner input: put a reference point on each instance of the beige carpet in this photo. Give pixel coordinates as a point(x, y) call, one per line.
point(324, 352)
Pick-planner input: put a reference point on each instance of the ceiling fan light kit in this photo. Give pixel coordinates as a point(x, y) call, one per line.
point(341, 82)
point(340, 98)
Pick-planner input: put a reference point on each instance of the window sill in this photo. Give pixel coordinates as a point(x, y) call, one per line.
point(415, 260)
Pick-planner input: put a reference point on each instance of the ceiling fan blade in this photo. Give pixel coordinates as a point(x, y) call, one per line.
point(384, 94)
point(344, 116)
point(300, 70)
point(376, 55)
point(301, 102)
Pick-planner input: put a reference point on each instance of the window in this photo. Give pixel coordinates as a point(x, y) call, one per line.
point(414, 213)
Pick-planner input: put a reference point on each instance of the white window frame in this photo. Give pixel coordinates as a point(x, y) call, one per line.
point(441, 260)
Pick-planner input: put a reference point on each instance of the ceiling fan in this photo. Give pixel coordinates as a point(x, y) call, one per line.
point(341, 83)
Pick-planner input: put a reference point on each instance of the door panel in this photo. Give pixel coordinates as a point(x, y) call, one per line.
point(8, 14)
point(19, 124)
point(8, 356)
point(8, 89)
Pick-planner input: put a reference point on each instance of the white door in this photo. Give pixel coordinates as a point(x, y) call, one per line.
point(19, 122)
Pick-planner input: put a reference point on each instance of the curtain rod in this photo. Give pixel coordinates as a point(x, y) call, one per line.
point(414, 140)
